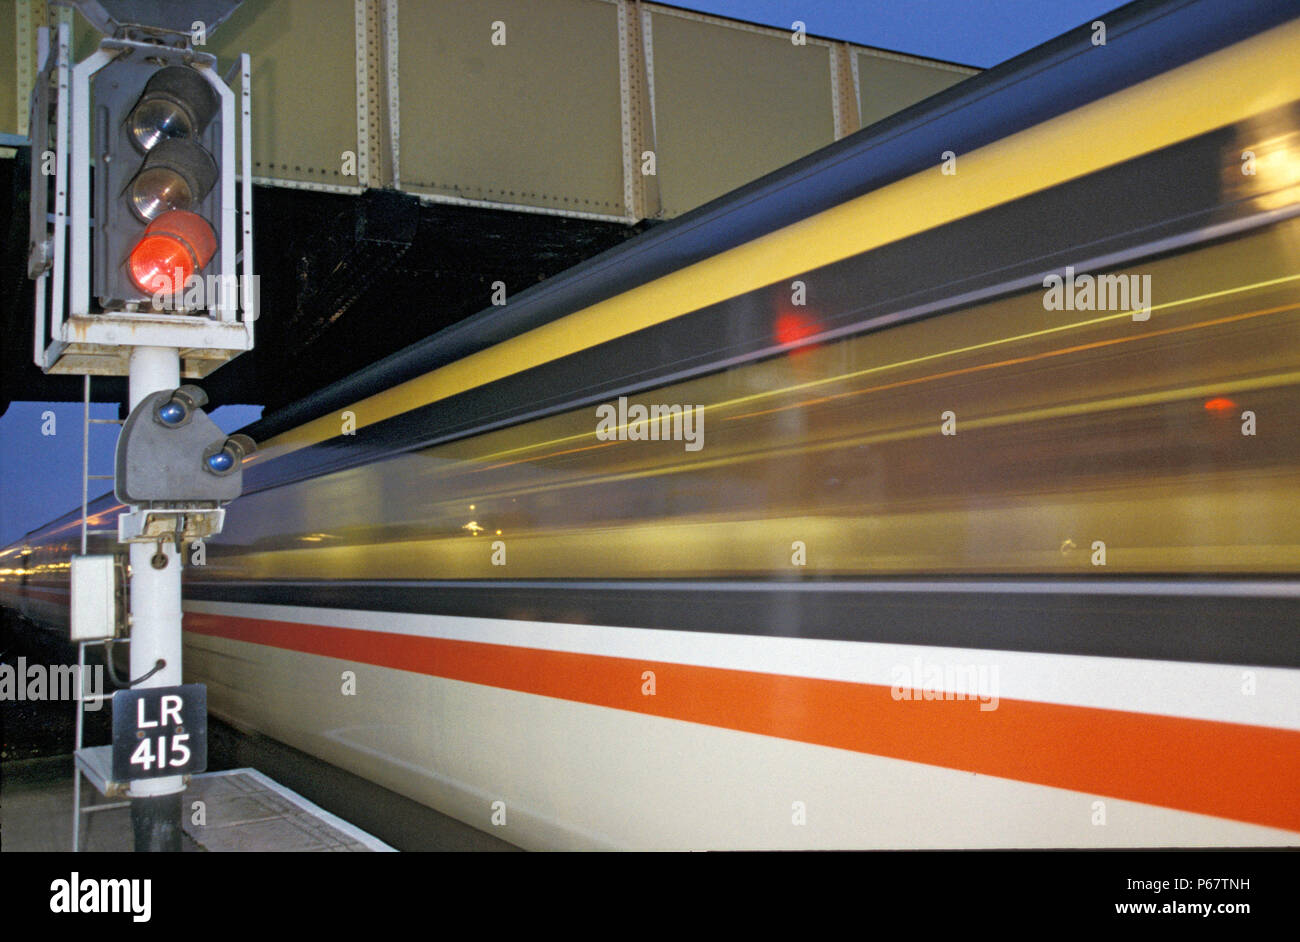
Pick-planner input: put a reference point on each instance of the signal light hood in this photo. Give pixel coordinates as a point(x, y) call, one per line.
point(177, 102)
point(115, 17)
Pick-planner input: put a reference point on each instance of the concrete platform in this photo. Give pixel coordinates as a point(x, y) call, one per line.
point(246, 811)
point(242, 810)
point(36, 778)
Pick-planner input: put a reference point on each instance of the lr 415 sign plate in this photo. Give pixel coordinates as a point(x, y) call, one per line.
point(160, 731)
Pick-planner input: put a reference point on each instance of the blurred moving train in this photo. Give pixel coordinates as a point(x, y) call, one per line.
point(992, 540)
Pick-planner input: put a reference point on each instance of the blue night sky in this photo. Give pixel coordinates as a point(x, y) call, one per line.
point(40, 475)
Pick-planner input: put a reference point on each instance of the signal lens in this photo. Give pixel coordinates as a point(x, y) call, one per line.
point(157, 190)
point(177, 102)
point(222, 458)
point(171, 413)
point(153, 122)
point(176, 246)
point(175, 175)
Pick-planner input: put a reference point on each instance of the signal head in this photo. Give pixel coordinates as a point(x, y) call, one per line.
point(159, 213)
point(222, 458)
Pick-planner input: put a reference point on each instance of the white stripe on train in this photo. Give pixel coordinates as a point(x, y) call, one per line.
point(1191, 690)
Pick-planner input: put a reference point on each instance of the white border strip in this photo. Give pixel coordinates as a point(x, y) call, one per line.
point(1183, 689)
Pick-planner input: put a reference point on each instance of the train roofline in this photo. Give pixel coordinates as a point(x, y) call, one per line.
point(1152, 37)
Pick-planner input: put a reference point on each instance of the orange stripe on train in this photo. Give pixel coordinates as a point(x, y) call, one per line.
point(1228, 770)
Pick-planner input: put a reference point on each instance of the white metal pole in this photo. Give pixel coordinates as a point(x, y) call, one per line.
point(76, 769)
point(81, 645)
point(85, 458)
point(155, 593)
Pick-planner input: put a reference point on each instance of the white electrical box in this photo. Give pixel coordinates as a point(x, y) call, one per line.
point(94, 598)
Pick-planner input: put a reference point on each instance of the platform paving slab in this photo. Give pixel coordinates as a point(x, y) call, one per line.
point(243, 810)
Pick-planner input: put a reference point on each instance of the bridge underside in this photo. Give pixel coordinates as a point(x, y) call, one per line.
point(344, 282)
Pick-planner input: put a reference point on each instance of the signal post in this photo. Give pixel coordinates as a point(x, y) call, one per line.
point(130, 296)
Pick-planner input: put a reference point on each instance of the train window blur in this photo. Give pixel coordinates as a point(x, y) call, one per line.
point(1072, 428)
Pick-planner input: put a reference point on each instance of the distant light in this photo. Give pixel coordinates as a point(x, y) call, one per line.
point(792, 327)
point(1219, 404)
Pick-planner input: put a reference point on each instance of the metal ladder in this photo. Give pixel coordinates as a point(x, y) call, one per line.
point(95, 763)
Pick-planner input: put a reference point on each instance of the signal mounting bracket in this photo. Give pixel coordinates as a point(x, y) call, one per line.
point(171, 523)
point(179, 55)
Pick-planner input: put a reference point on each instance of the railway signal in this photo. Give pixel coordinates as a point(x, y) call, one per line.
point(159, 161)
point(145, 237)
point(142, 255)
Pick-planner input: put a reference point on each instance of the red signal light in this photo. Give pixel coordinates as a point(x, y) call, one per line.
point(792, 327)
point(176, 246)
point(1219, 405)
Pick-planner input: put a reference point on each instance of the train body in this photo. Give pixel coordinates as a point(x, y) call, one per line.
point(971, 519)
